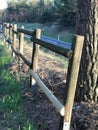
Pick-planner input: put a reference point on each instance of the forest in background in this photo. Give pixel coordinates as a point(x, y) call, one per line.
point(60, 11)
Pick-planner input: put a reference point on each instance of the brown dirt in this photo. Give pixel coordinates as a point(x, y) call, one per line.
point(38, 108)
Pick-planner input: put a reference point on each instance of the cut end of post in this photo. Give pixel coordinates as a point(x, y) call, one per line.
point(76, 35)
point(62, 111)
point(33, 82)
point(79, 38)
point(66, 126)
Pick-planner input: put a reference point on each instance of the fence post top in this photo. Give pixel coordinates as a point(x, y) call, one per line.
point(79, 36)
point(37, 33)
point(78, 39)
point(15, 27)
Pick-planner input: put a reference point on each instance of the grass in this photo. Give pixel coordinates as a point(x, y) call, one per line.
point(51, 30)
point(12, 116)
point(54, 56)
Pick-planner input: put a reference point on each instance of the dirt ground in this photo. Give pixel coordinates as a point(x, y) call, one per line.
point(40, 110)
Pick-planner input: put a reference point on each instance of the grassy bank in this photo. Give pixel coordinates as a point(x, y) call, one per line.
point(12, 116)
point(51, 30)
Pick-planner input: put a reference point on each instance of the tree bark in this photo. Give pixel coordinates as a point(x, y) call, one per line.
point(87, 24)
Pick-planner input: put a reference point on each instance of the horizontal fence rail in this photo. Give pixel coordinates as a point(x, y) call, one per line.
point(27, 62)
point(58, 49)
point(62, 44)
point(25, 31)
point(52, 98)
point(72, 51)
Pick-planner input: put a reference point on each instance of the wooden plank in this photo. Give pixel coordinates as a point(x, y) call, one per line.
point(14, 38)
point(25, 31)
point(72, 77)
point(4, 27)
point(21, 41)
point(65, 52)
point(10, 32)
point(16, 32)
point(7, 31)
point(35, 51)
point(48, 93)
point(35, 56)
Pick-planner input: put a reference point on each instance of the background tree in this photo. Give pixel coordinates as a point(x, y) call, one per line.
point(87, 25)
point(29, 10)
point(1, 13)
point(66, 12)
point(63, 11)
point(48, 13)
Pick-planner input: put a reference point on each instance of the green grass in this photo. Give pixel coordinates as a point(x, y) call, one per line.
point(51, 31)
point(12, 116)
point(54, 56)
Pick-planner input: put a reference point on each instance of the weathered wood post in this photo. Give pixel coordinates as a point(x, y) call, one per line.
point(7, 30)
point(4, 27)
point(10, 32)
point(21, 42)
point(14, 38)
point(34, 59)
point(9, 35)
point(72, 77)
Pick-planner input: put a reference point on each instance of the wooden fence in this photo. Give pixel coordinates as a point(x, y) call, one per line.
point(74, 55)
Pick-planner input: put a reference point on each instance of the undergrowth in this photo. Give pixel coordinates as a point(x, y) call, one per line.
point(12, 116)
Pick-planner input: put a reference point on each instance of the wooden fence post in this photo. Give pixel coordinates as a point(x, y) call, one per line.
point(14, 39)
point(7, 34)
point(35, 56)
point(72, 77)
point(7, 31)
point(4, 27)
point(10, 32)
point(21, 42)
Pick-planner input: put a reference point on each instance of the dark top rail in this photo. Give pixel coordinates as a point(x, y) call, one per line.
point(26, 31)
point(27, 62)
point(58, 49)
point(56, 42)
point(16, 32)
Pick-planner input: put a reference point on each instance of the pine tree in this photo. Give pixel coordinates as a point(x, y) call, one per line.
point(87, 25)
point(66, 12)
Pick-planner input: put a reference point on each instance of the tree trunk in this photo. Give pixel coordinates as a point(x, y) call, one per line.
point(87, 25)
